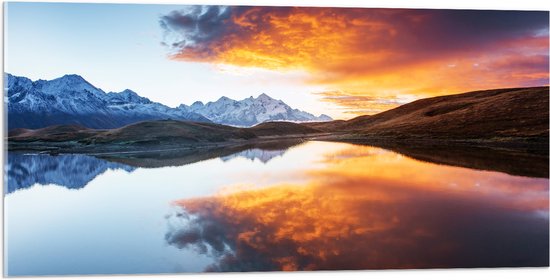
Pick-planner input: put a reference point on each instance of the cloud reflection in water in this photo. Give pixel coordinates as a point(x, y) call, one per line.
point(372, 209)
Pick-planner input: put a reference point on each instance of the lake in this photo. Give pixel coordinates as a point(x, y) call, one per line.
point(310, 206)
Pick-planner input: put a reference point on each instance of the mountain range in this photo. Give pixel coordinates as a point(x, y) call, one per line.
point(250, 111)
point(72, 100)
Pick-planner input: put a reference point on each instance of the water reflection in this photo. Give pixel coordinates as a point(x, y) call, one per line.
point(75, 171)
point(263, 156)
point(70, 171)
point(370, 209)
point(116, 224)
point(264, 151)
point(316, 205)
point(530, 161)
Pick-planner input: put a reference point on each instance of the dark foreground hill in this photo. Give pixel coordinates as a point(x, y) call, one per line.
point(162, 134)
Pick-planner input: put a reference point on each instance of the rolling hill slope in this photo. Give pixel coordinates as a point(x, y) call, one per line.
point(489, 114)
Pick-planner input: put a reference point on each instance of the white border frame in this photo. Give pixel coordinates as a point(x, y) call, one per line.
point(452, 274)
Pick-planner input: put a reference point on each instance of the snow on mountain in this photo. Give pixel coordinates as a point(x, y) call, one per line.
point(250, 111)
point(72, 100)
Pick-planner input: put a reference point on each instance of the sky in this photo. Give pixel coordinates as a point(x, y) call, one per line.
point(343, 62)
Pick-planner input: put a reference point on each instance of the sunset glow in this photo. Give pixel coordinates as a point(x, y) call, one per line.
point(374, 58)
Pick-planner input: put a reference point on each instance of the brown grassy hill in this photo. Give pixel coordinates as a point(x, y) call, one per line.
point(167, 131)
point(499, 113)
point(161, 132)
point(325, 126)
point(18, 131)
point(51, 133)
point(281, 129)
point(164, 130)
point(142, 132)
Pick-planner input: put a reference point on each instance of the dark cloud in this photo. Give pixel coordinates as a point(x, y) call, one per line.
point(194, 26)
point(467, 30)
point(417, 30)
point(487, 25)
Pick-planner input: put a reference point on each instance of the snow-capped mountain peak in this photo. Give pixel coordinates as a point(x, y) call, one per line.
point(17, 85)
point(70, 99)
point(264, 97)
point(126, 96)
point(197, 104)
point(250, 111)
point(225, 99)
point(66, 84)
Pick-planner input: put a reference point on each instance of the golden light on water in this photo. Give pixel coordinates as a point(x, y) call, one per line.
point(370, 208)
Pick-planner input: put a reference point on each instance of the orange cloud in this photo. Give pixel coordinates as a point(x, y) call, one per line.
point(361, 103)
point(377, 53)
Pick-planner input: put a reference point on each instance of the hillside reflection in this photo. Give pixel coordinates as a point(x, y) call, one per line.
point(369, 208)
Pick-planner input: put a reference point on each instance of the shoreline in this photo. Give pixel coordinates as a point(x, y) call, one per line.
point(520, 157)
point(73, 147)
point(532, 144)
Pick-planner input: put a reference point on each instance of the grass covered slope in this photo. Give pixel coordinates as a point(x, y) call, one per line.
point(488, 114)
point(147, 132)
point(170, 131)
point(274, 129)
point(55, 133)
point(156, 134)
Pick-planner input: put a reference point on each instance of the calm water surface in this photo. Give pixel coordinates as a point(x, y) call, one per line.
point(314, 206)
